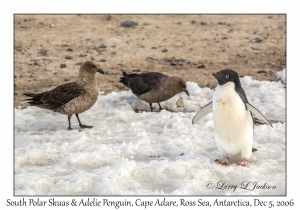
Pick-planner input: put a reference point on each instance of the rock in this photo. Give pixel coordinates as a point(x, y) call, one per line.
point(119, 86)
point(46, 59)
point(193, 21)
point(165, 50)
point(256, 40)
point(129, 23)
point(108, 17)
point(69, 57)
point(79, 63)
point(35, 63)
point(82, 55)
point(169, 59)
point(262, 72)
point(102, 45)
point(179, 102)
point(153, 47)
point(102, 60)
point(63, 65)
point(149, 59)
point(113, 46)
point(266, 36)
point(70, 49)
point(180, 60)
point(43, 51)
point(52, 25)
point(201, 66)
point(67, 79)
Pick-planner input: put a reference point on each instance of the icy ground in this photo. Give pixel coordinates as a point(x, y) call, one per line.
point(281, 75)
point(144, 153)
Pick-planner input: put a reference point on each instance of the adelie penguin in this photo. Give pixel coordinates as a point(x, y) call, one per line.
point(232, 116)
point(71, 98)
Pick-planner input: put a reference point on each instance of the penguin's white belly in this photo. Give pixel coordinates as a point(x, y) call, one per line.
point(233, 123)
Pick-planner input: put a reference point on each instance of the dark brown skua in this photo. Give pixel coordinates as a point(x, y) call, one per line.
point(154, 87)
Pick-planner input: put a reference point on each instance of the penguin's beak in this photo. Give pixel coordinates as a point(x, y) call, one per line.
point(187, 92)
point(217, 75)
point(100, 71)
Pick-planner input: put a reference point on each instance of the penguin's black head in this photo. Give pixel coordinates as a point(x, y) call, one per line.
point(227, 75)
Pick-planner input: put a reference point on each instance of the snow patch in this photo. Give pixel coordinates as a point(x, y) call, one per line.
point(131, 151)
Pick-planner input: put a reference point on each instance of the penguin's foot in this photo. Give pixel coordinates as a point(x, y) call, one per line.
point(254, 149)
point(224, 160)
point(243, 162)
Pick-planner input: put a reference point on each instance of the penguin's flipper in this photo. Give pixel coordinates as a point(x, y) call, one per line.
point(204, 111)
point(258, 114)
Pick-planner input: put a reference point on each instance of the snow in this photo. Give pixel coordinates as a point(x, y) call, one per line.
point(281, 76)
point(144, 153)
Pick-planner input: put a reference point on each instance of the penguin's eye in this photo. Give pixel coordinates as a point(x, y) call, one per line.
point(227, 76)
